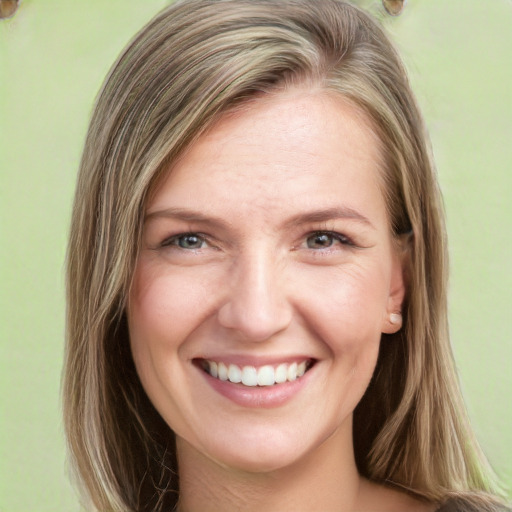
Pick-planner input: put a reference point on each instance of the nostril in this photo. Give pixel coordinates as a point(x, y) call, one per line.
point(256, 318)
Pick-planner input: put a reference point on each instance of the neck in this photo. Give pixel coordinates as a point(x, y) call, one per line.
point(325, 479)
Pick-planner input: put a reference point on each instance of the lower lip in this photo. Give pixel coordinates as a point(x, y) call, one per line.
point(264, 397)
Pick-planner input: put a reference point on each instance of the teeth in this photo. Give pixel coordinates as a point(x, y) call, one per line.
point(249, 376)
point(292, 372)
point(281, 373)
point(234, 373)
point(222, 371)
point(266, 375)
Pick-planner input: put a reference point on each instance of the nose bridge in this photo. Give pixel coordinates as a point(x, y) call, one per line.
point(256, 305)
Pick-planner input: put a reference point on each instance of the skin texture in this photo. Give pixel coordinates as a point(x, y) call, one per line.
point(255, 285)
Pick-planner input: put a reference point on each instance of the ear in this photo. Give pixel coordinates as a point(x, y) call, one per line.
point(393, 320)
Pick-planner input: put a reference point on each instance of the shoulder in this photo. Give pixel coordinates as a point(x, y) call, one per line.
point(469, 505)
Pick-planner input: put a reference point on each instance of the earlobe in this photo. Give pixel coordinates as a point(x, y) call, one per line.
point(393, 323)
point(393, 320)
point(396, 319)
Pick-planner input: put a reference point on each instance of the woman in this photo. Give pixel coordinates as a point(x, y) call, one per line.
point(257, 275)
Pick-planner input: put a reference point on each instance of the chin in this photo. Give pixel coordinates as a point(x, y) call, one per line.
point(259, 459)
point(265, 450)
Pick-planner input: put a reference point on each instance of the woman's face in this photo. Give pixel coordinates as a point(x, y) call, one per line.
point(267, 258)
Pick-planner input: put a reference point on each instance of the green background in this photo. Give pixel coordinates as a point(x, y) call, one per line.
point(53, 57)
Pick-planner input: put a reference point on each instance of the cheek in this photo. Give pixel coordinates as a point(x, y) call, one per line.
point(346, 307)
point(164, 306)
point(163, 310)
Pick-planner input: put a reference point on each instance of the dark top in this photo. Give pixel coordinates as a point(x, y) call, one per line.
point(461, 505)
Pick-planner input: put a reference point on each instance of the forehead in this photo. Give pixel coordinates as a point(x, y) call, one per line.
point(294, 119)
point(289, 147)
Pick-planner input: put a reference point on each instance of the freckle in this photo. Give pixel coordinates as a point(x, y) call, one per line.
point(8, 8)
point(394, 7)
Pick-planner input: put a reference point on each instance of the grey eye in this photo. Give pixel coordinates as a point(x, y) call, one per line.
point(320, 241)
point(8, 8)
point(189, 241)
point(394, 7)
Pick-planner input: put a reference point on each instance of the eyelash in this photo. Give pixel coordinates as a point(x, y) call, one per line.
point(335, 236)
point(174, 241)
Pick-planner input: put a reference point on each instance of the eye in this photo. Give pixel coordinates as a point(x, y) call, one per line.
point(325, 240)
point(186, 241)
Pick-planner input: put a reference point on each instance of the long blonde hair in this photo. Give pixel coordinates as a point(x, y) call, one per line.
point(193, 62)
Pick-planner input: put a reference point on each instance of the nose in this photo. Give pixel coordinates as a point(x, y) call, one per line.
point(257, 306)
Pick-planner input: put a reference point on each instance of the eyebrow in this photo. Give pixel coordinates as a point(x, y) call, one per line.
point(313, 216)
point(188, 215)
point(323, 215)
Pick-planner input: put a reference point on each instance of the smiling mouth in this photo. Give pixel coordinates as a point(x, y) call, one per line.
point(251, 376)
